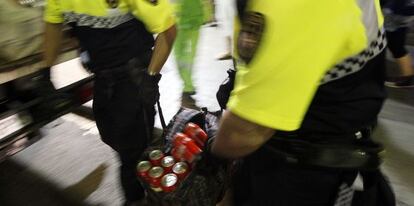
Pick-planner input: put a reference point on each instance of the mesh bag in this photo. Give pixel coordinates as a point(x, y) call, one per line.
point(209, 178)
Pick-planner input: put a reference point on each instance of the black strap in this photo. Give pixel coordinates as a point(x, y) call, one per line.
point(147, 127)
point(162, 120)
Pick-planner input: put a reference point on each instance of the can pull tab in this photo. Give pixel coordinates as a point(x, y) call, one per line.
point(358, 135)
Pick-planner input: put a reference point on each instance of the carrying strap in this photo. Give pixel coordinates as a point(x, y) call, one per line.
point(148, 131)
point(162, 120)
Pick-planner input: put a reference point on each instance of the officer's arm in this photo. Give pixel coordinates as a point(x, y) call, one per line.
point(162, 49)
point(238, 137)
point(52, 42)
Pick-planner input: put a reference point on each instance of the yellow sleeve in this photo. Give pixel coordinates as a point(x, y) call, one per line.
point(380, 17)
point(157, 15)
point(301, 42)
point(53, 12)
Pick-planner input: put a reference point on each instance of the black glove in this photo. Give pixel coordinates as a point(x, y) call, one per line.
point(147, 84)
point(223, 94)
point(36, 85)
point(210, 161)
point(149, 89)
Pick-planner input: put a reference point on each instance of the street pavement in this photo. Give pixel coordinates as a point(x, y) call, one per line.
point(71, 166)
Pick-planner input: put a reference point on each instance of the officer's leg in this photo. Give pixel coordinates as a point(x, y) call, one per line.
point(194, 37)
point(183, 56)
point(119, 117)
point(130, 157)
point(131, 186)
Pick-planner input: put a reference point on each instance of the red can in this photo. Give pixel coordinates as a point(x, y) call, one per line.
point(155, 174)
point(155, 157)
point(177, 154)
point(191, 128)
point(196, 133)
point(202, 136)
point(180, 138)
point(169, 182)
point(167, 163)
point(181, 169)
point(193, 148)
point(142, 169)
point(182, 153)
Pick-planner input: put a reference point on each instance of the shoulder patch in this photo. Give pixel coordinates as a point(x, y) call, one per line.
point(250, 35)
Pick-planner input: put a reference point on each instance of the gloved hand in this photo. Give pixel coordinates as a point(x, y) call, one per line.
point(146, 83)
point(211, 161)
point(149, 89)
point(36, 85)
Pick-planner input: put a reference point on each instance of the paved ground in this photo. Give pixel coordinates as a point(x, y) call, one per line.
point(70, 166)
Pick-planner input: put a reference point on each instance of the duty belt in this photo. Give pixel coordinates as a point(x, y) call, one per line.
point(137, 63)
point(360, 154)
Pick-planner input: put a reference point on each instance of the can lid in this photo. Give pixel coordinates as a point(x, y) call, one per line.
point(167, 161)
point(169, 180)
point(180, 168)
point(155, 154)
point(144, 166)
point(155, 172)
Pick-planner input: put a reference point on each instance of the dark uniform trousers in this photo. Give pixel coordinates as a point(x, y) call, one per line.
point(266, 179)
point(124, 124)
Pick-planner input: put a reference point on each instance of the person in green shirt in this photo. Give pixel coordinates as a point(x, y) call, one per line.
point(190, 15)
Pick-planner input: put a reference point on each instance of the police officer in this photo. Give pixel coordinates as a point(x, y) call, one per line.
point(118, 37)
point(309, 80)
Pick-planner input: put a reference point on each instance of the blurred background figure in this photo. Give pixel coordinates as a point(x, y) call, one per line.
point(210, 13)
point(227, 9)
point(21, 31)
point(21, 27)
point(399, 15)
point(190, 15)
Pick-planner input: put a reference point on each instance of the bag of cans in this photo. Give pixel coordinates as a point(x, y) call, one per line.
point(180, 171)
point(162, 172)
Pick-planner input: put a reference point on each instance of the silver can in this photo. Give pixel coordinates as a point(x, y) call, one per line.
point(169, 182)
point(181, 169)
